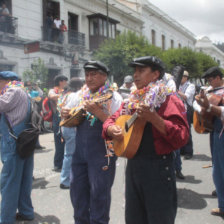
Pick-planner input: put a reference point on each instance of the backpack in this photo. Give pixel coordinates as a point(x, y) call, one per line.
point(47, 112)
point(27, 139)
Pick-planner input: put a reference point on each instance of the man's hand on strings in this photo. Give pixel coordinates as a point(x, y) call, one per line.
point(92, 107)
point(95, 109)
point(202, 100)
point(145, 113)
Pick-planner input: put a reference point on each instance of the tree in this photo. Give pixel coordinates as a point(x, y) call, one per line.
point(182, 56)
point(205, 62)
point(37, 72)
point(118, 53)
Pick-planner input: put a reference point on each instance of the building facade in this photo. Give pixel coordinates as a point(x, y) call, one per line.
point(29, 33)
point(206, 46)
point(160, 29)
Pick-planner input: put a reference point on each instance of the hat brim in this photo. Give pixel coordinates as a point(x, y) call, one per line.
point(134, 64)
point(91, 67)
point(9, 78)
point(207, 76)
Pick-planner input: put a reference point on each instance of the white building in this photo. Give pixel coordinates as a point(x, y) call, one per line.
point(206, 46)
point(28, 35)
point(86, 21)
point(160, 29)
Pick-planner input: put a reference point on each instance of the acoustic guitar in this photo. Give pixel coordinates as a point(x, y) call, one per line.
point(77, 114)
point(133, 129)
point(203, 125)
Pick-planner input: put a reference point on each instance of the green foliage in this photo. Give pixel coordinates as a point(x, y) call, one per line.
point(205, 62)
point(118, 53)
point(181, 56)
point(38, 72)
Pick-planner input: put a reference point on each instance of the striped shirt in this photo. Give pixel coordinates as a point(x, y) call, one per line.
point(14, 103)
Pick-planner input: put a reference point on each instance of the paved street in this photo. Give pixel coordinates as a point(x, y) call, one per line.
point(52, 205)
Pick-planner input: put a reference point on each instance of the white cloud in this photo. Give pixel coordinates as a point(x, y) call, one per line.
point(202, 17)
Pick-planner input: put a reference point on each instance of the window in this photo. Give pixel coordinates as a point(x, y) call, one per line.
point(100, 27)
point(153, 34)
point(99, 24)
point(94, 28)
point(179, 45)
point(105, 28)
point(163, 42)
point(171, 43)
point(72, 21)
point(113, 31)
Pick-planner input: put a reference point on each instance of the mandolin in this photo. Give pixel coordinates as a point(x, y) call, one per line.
point(77, 114)
point(133, 129)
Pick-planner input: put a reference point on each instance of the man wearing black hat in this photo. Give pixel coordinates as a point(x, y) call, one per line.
point(150, 174)
point(16, 175)
point(214, 78)
point(93, 169)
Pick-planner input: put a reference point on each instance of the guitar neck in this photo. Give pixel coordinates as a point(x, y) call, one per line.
point(131, 121)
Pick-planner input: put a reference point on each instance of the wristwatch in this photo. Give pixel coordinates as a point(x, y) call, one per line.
point(209, 108)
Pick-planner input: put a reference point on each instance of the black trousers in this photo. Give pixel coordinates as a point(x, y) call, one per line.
point(151, 196)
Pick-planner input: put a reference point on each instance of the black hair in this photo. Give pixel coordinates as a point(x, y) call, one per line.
point(59, 78)
point(157, 68)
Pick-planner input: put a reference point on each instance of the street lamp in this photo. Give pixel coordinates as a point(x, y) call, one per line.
point(107, 19)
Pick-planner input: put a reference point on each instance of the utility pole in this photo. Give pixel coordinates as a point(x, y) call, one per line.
point(107, 19)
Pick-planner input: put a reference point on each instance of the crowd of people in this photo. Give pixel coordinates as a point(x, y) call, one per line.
point(83, 153)
point(55, 29)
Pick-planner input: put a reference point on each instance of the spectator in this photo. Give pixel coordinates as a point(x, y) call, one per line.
point(60, 82)
point(5, 18)
point(56, 29)
point(127, 86)
point(187, 93)
point(63, 28)
point(70, 100)
point(49, 27)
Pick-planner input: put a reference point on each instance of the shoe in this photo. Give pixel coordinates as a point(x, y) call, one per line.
point(217, 211)
point(188, 156)
point(20, 217)
point(56, 169)
point(179, 175)
point(62, 186)
point(214, 193)
point(40, 147)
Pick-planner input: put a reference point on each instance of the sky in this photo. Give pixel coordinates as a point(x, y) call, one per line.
point(201, 17)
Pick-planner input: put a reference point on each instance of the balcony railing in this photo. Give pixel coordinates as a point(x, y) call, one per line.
point(69, 37)
point(9, 24)
point(76, 38)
